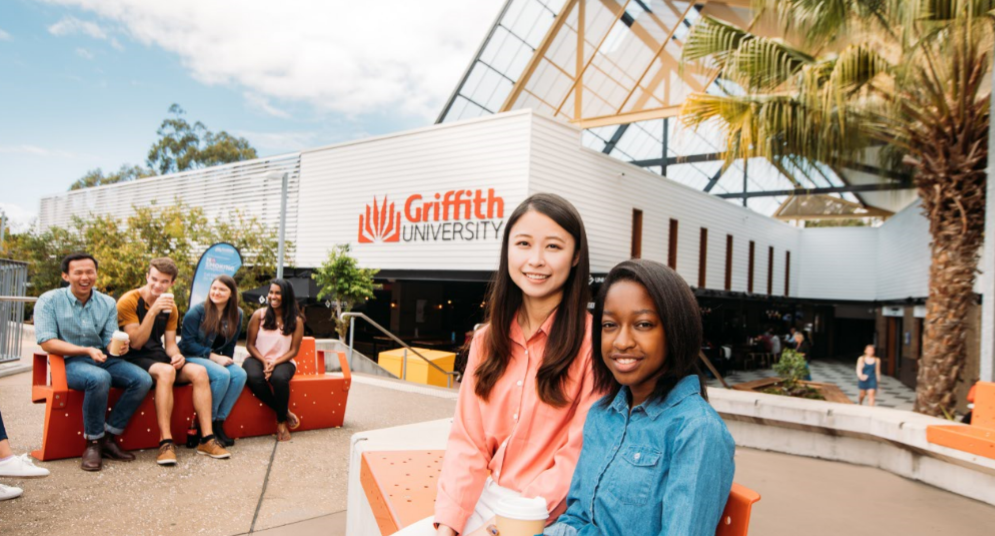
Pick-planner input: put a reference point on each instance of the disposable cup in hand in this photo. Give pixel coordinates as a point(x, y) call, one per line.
point(169, 297)
point(119, 343)
point(521, 517)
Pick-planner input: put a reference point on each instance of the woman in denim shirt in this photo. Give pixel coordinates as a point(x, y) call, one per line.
point(210, 331)
point(657, 459)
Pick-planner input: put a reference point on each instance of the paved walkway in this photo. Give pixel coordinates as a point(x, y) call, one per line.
point(891, 392)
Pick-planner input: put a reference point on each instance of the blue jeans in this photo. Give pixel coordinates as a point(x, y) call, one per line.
point(95, 380)
point(226, 385)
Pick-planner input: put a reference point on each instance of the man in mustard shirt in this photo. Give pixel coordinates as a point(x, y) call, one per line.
point(149, 316)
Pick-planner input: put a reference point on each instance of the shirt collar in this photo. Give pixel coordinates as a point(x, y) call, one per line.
point(73, 300)
point(687, 386)
point(516, 333)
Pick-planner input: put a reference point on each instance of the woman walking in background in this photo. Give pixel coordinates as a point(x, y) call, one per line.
point(274, 339)
point(210, 331)
point(868, 372)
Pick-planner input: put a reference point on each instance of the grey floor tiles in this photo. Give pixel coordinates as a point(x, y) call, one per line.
point(891, 392)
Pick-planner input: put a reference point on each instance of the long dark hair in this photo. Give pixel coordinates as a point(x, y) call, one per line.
point(505, 300)
point(226, 320)
point(679, 314)
point(290, 310)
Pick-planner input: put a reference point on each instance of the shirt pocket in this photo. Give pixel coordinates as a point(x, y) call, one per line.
point(636, 470)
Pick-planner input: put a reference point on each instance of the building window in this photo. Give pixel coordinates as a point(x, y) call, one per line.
point(636, 250)
point(702, 257)
point(728, 285)
point(787, 272)
point(672, 245)
point(752, 267)
point(770, 270)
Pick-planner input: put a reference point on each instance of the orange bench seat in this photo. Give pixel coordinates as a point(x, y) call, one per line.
point(317, 398)
point(977, 438)
point(401, 486)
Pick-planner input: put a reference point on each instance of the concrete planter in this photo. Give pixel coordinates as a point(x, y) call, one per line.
point(829, 391)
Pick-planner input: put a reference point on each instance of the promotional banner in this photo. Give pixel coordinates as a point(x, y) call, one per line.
point(219, 259)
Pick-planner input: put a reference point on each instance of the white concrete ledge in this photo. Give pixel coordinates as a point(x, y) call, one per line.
point(889, 439)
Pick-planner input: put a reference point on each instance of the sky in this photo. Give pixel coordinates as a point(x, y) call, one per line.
point(84, 84)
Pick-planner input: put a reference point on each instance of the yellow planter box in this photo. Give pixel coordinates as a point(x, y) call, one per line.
point(417, 369)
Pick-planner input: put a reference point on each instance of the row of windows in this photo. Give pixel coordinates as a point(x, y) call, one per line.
point(637, 247)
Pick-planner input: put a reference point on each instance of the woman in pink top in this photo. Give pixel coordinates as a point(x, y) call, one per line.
point(274, 339)
point(528, 382)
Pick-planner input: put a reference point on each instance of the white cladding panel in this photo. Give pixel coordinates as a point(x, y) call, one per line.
point(245, 186)
point(903, 256)
point(606, 190)
point(339, 183)
point(839, 263)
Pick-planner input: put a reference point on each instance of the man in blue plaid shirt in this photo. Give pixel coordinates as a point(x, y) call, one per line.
point(77, 322)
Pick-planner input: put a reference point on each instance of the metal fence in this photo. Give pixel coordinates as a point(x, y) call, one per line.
point(13, 284)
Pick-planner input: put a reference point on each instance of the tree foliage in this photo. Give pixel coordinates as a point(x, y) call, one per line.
point(96, 177)
point(849, 74)
point(124, 248)
point(182, 146)
point(345, 283)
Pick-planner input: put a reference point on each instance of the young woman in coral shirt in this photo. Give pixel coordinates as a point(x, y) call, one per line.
point(528, 383)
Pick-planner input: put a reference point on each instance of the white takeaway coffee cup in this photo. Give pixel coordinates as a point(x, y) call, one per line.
point(168, 296)
point(119, 343)
point(519, 516)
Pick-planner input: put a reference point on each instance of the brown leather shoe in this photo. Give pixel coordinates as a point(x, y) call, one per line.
point(91, 456)
point(110, 449)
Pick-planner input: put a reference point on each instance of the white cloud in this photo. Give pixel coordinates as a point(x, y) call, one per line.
point(84, 53)
point(74, 26)
point(19, 219)
point(384, 57)
point(261, 103)
point(4, 36)
point(34, 150)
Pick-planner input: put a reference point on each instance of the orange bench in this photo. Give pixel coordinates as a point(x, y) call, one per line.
point(401, 486)
point(319, 399)
point(977, 438)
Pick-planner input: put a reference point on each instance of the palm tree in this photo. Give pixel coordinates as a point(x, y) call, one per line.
point(910, 76)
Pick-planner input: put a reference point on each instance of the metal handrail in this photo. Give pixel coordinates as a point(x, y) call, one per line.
point(450, 375)
point(25, 299)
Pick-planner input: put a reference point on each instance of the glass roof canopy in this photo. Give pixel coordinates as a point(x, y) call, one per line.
point(628, 92)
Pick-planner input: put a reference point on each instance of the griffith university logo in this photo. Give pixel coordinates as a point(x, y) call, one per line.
point(382, 223)
point(456, 215)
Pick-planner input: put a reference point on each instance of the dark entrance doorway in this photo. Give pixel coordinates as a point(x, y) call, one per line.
point(851, 335)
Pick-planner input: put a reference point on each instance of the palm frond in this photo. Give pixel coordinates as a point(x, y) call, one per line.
point(714, 39)
point(763, 64)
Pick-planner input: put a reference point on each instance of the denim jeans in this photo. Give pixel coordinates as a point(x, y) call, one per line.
point(95, 380)
point(226, 385)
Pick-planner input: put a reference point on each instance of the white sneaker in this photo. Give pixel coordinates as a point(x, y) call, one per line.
point(9, 492)
point(21, 467)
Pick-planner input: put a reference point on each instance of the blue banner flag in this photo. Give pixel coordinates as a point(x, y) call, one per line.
point(219, 259)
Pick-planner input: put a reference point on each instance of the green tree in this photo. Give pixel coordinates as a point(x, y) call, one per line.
point(182, 146)
point(124, 248)
point(849, 74)
point(96, 177)
point(342, 281)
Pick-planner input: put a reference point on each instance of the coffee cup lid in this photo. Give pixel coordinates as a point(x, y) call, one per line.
point(522, 509)
point(119, 335)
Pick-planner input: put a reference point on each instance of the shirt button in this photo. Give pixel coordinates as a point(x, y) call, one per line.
point(515, 416)
point(636, 456)
point(519, 383)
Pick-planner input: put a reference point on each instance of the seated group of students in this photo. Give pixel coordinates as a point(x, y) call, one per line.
point(605, 415)
point(80, 323)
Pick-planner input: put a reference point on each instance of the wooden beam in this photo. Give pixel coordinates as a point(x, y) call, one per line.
point(538, 55)
point(630, 117)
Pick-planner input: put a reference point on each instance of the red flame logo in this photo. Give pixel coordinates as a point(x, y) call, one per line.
point(381, 224)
